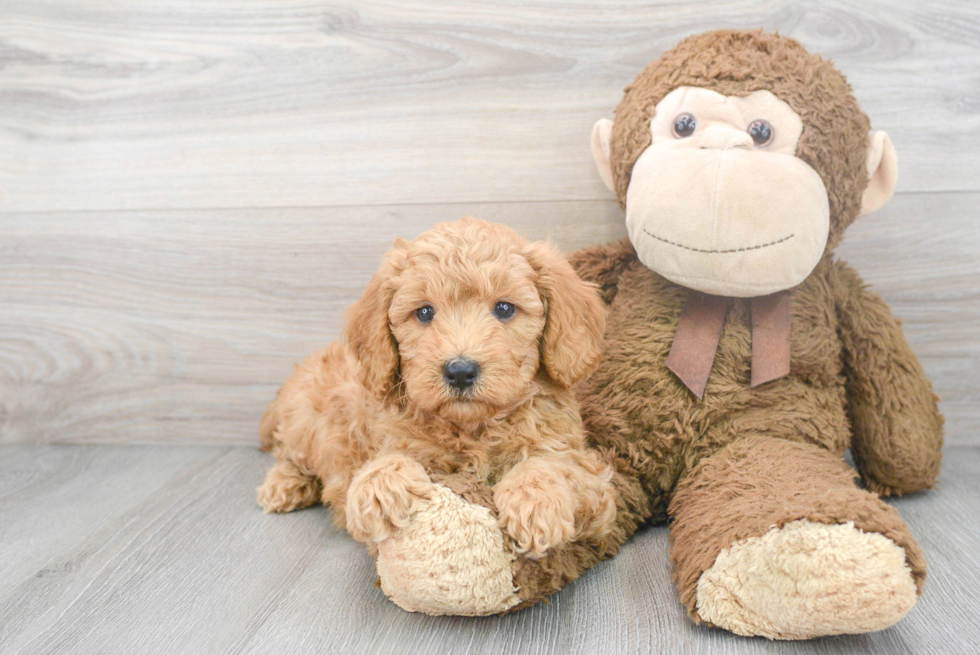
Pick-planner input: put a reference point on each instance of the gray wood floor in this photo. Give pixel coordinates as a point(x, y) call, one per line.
point(192, 191)
point(143, 549)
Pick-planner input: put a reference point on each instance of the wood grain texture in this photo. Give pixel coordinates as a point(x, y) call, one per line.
point(177, 327)
point(163, 550)
point(192, 191)
point(223, 103)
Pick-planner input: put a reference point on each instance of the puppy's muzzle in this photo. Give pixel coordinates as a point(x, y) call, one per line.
point(460, 373)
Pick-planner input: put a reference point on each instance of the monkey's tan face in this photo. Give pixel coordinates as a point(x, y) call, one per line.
point(719, 202)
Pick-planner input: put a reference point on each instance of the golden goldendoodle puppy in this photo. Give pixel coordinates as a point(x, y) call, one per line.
point(460, 357)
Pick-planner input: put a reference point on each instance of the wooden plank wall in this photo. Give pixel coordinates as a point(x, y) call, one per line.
point(191, 191)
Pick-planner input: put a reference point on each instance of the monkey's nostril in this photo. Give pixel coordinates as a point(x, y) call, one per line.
point(460, 373)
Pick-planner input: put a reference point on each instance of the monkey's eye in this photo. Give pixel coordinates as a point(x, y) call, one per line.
point(761, 132)
point(425, 314)
point(684, 125)
point(503, 310)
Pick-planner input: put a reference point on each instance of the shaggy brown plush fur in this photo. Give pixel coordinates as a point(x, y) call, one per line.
point(363, 425)
point(854, 382)
point(757, 483)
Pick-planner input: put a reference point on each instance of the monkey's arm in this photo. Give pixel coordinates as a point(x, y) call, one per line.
point(898, 430)
point(603, 265)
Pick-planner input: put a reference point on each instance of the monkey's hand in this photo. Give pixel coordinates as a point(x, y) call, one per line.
point(898, 431)
point(384, 495)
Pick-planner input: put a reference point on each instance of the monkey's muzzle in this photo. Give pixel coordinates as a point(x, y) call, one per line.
point(732, 222)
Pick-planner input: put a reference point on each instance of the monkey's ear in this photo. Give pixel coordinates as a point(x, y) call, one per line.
point(882, 173)
point(601, 133)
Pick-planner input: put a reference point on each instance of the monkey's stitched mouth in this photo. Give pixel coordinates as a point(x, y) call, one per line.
point(718, 252)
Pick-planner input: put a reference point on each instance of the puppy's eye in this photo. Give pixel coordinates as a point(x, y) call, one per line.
point(684, 125)
point(503, 310)
point(761, 132)
point(425, 314)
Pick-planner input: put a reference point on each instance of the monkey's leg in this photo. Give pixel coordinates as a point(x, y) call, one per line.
point(454, 558)
point(773, 538)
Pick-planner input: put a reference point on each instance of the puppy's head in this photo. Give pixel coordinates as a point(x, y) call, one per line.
point(464, 319)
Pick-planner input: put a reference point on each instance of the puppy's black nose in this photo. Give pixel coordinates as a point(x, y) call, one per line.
point(460, 373)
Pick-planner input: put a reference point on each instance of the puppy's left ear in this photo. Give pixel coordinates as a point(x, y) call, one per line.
point(575, 316)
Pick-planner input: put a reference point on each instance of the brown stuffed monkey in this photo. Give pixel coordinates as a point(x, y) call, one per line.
point(741, 359)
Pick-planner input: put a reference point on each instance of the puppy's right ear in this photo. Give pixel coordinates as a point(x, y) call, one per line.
point(369, 336)
point(575, 316)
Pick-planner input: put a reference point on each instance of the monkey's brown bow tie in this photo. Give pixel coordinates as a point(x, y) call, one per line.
point(699, 330)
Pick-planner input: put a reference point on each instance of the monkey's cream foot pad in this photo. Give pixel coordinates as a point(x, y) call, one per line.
point(449, 560)
point(141, 549)
point(807, 580)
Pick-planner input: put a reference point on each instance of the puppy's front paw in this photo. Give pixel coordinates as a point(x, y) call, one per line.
point(383, 496)
point(537, 511)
